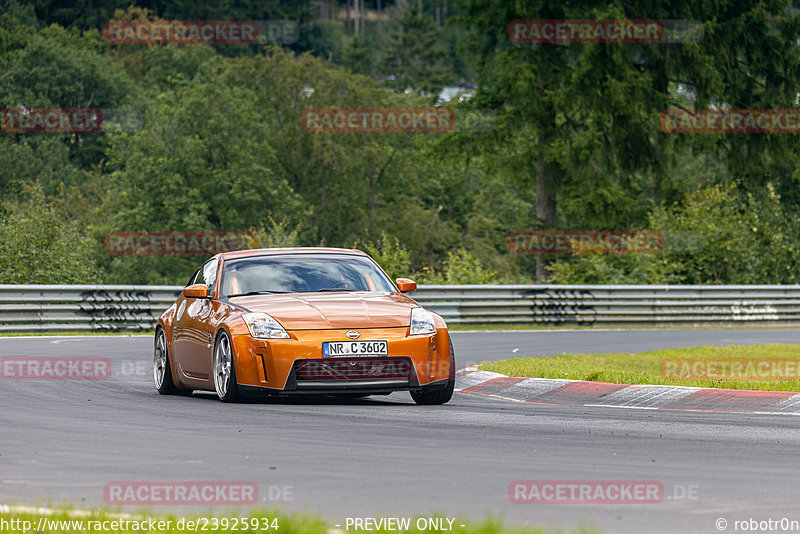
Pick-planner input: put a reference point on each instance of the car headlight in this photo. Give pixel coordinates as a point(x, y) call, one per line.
point(422, 322)
point(263, 326)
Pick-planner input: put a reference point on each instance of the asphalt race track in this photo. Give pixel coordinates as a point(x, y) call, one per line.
point(63, 441)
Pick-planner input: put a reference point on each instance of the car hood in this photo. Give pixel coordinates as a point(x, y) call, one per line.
point(312, 311)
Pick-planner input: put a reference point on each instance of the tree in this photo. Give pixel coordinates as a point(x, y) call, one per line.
point(39, 246)
point(357, 183)
point(414, 56)
point(202, 162)
point(357, 56)
point(56, 68)
point(584, 117)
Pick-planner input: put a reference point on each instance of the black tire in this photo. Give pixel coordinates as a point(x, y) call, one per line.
point(439, 395)
point(162, 368)
point(224, 370)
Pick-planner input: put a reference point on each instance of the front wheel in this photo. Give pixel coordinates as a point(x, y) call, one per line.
point(224, 370)
point(439, 395)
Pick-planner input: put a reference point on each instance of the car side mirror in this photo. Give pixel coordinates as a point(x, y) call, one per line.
point(196, 291)
point(404, 285)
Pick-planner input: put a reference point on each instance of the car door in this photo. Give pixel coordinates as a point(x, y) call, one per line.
point(193, 331)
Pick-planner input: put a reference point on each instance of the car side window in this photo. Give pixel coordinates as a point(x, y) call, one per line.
point(207, 275)
point(210, 275)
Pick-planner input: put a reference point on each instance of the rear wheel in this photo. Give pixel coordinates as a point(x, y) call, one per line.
point(440, 395)
point(224, 370)
point(162, 370)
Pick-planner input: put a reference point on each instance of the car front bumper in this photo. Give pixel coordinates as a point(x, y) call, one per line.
point(297, 366)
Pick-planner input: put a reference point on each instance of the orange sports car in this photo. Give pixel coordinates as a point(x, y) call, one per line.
point(286, 321)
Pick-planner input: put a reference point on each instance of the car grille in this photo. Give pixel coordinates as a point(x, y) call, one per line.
point(393, 368)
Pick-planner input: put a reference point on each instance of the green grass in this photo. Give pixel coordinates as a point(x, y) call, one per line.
point(649, 367)
point(456, 327)
point(287, 523)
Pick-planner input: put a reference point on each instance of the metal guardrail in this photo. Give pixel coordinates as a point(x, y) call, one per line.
point(610, 305)
point(52, 308)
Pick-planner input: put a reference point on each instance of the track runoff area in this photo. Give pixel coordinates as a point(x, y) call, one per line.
point(381, 463)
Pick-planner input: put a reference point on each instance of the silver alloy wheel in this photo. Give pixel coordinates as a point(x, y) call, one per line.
point(222, 366)
point(160, 360)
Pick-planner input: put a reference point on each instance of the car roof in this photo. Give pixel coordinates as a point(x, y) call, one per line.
point(286, 250)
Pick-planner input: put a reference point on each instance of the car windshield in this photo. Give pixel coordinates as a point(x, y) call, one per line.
point(302, 273)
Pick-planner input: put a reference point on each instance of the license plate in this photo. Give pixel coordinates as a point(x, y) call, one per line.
point(335, 349)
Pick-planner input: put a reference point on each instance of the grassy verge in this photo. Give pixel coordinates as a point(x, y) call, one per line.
point(760, 367)
point(455, 327)
point(67, 521)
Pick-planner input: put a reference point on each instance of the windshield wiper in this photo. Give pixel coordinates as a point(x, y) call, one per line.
point(264, 292)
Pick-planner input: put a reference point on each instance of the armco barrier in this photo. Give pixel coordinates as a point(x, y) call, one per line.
point(607, 305)
point(50, 309)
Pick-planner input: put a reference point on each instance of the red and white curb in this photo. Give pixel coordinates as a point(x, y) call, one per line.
point(642, 397)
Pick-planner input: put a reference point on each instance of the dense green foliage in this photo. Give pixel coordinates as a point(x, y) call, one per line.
point(573, 141)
